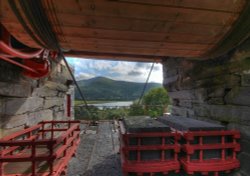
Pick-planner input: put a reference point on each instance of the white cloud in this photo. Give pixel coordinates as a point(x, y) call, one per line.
point(118, 70)
point(82, 75)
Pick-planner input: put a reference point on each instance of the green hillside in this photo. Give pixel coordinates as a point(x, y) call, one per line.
point(101, 88)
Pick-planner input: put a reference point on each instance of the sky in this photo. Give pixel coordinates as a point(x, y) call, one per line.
point(116, 70)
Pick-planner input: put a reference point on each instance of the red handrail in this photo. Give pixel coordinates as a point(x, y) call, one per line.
point(59, 149)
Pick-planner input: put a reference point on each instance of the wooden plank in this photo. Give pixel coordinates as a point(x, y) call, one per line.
point(112, 8)
point(124, 37)
point(140, 51)
point(113, 56)
point(214, 5)
point(166, 28)
point(129, 35)
point(146, 26)
point(124, 24)
point(169, 38)
point(140, 11)
point(163, 48)
point(166, 45)
point(126, 34)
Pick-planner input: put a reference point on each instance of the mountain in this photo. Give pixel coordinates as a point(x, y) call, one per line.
point(101, 88)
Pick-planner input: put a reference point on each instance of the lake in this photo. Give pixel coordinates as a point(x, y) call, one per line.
point(114, 104)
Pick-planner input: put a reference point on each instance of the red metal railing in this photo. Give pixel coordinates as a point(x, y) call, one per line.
point(139, 166)
point(43, 149)
point(226, 162)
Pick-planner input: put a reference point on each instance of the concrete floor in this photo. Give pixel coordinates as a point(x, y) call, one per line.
point(97, 154)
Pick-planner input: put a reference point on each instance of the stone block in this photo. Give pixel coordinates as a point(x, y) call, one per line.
point(170, 80)
point(215, 101)
point(180, 111)
point(9, 72)
point(189, 124)
point(170, 72)
point(227, 80)
point(238, 96)
point(60, 74)
point(244, 130)
point(14, 121)
point(241, 173)
point(15, 106)
point(185, 103)
point(244, 162)
point(56, 86)
point(2, 106)
point(38, 116)
point(44, 92)
point(245, 80)
point(59, 115)
point(51, 102)
point(245, 145)
point(226, 113)
point(137, 124)
point(15, 89)
point(195, 94)
point(210, 68)
point(214, 92)
point(6, 132)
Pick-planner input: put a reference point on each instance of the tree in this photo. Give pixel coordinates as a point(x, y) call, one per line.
point(136, 110)
point(154, 103)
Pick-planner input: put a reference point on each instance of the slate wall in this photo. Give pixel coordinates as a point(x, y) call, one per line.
point(25, 102)
point(216, 90)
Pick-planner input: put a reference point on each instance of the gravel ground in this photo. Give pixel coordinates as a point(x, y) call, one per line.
point(97, 152)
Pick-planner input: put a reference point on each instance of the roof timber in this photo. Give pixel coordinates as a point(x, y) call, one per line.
point(134, 29)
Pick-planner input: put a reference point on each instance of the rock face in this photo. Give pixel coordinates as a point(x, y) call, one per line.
point(216, 90)
point(25, 102)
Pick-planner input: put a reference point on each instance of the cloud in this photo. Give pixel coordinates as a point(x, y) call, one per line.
point(82, 75)
point(117, 70)
point(134, 73)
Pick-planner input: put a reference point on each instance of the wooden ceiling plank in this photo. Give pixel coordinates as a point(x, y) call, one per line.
point(132, 50)
point(171, 38)
point(214, 5)
point(138, 11)
point(149, 36)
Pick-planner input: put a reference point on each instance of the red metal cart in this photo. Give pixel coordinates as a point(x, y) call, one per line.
point(139, 166)
point(207, 147)
point(228, 147)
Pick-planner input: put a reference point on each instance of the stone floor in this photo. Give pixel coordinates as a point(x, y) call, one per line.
point(97, 154)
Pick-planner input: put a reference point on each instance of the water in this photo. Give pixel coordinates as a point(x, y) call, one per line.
point(114, 104)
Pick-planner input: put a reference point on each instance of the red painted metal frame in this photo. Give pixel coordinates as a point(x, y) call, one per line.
point(35, 63)
point(151, 166)
point(42, 68)
point(60, 138)
point(68, 105)
point(204, 166)
point(29, 69)
point(15, 53)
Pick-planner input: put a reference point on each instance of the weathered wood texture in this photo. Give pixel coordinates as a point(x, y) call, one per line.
point(188, 28)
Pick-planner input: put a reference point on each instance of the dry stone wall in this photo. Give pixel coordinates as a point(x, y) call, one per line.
point(216, 90)
point(25, 102)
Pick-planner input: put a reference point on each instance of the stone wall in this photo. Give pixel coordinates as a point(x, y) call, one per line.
point(25, 102)
point(216, 90)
